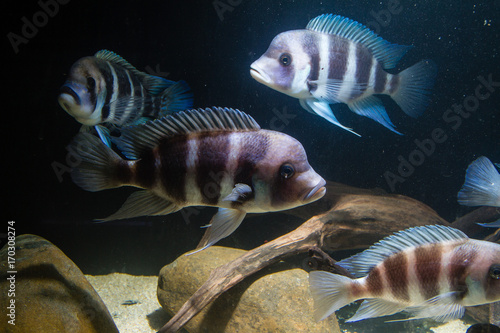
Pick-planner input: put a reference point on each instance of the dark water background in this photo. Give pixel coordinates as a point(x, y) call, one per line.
point(212, 51)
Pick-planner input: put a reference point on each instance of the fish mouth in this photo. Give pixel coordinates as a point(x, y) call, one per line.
point(259, 75)
point(68, 98)
point(316, 192)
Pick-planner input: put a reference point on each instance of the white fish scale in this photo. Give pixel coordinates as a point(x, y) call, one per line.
point(298, 86)
point(227, 182)
point(324, 64)
point(349, 79)
point(193, 192)
point(371, 81)
point(115, 91)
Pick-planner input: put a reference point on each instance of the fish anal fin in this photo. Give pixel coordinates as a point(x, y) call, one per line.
point(443, 307)
point(376, 307)
point(372, 108)
point(143, 203)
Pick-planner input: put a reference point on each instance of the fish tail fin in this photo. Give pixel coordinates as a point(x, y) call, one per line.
point(330, 292)
point(95, 163)
point(415, 85)
point(177, 97)
point(482, 184)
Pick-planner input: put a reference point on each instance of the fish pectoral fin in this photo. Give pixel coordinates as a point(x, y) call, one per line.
point(372, 107)
point(322, 109)
point(240, 193)
point(143, 203)
point(223, 223)
point(442, 308)
point(376, 307)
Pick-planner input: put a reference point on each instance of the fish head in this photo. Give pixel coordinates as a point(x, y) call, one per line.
point(83, 93)
point(284, 179)
point(285, 66)
point(483, 280)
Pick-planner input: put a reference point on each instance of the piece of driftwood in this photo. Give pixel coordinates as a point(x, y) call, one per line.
point(351, 219)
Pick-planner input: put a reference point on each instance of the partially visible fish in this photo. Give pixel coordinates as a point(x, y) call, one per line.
point(481, 187)
point(338, 60)
point(212, 157)
point(430, 271)
point(106, 89)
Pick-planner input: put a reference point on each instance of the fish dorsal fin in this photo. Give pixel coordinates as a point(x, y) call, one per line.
point(154, 84)
point(136, 139)
point(386, 53)
point(360, 264)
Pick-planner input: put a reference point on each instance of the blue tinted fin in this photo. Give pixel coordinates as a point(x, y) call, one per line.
point(143, 203)
point(322, 109)
point(415, 87)
point(495, 224)
point(154, 84)
point(372, 107)
point(386, 53)
point(482, 184)
point(223, 224)
point(177, 97)
point(104, 134)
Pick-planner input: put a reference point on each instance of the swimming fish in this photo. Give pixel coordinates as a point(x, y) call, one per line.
point(481, 187)
point(430, 271)
point(106, 89)
point(216, 157)
point(338, 60)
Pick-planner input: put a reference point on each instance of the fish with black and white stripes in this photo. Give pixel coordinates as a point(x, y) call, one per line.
point(338, 60)
point(430, 271)
point(216, 157)
point(107, 89)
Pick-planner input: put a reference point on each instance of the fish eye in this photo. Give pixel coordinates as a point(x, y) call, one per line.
point(287, 171)
point(285, 59)
point(495, 272)
point(90, 83)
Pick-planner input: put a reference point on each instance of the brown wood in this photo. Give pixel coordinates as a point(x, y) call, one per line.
point(350, 218)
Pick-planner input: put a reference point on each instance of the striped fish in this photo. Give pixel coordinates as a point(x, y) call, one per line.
point(338, 60)
point(106, 89)
point(430, 271)
point(209, 157)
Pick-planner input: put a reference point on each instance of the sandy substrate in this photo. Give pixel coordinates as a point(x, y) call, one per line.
point(131, 300)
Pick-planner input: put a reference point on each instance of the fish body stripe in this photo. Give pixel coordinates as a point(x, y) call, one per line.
point(172, 155)
point(396, 274)
point(380, 79)
point(211, 166)
point(312, 46)
point(364, 60)
point(348, 82)
point(459, 267)
point(374, 282)
point(338, 53)
point(428, 263)
point(393, 84)
point(199, 168)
